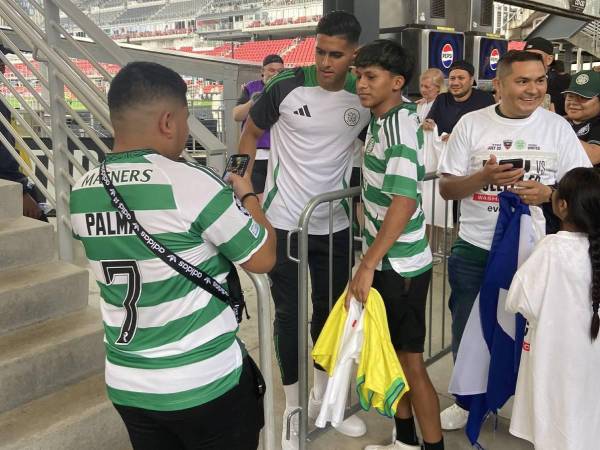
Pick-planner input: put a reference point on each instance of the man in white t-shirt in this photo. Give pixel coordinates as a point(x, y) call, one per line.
point(515, 145)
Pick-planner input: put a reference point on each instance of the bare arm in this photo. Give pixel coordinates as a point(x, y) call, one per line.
point(593, 151)
point(264, 259)
point(250, 136)
point(240, 112)
point(453, 187)
point(398, 215)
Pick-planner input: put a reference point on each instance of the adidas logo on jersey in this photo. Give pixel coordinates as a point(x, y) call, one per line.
point(303, 111)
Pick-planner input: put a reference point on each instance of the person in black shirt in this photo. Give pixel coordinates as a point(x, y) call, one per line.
point(9, 168)
point(460, 99)
point(582, 104)
point(557, 81)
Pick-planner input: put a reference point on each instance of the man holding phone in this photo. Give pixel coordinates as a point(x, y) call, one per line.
point(516, 146)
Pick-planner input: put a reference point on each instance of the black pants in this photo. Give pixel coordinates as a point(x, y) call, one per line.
point(232, 421)
point(284, 289)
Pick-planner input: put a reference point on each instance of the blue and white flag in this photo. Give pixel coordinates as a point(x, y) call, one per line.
point(487, 363)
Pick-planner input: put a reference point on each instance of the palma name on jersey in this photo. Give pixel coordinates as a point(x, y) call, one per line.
point(108, 223)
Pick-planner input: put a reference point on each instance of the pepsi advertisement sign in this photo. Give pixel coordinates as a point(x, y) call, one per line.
point(490, 51)
point(444, 49)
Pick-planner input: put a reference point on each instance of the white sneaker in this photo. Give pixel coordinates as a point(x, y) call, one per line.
point(454, 418)
point(292, 442)
point(353, 426)
point(397, 445)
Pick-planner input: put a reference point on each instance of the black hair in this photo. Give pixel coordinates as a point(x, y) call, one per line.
point(340, 23)
point(388, 54)
point(580, 188)
point(140, 83)
point(512, 56)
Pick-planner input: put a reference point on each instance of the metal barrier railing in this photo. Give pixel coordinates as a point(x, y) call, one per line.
point(329, 198)
point(263, 298)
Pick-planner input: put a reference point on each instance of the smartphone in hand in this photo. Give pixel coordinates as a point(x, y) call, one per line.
point(517, 163)
point(236, 164)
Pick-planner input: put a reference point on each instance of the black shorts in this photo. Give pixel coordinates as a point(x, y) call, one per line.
point(405, 300)
point(259, 175)
point(231, 421)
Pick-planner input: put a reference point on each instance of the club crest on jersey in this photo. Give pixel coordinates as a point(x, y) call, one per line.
point(351, 116)
point(370, 145)
point(507, 143)
point(583, 130)
point(520, 144)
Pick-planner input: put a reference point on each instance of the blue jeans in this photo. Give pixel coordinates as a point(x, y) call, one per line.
point(465, 277)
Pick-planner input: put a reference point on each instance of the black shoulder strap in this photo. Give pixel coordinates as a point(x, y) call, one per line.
point(180, 265)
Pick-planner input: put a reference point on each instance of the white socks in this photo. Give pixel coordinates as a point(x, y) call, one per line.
point(320, 385)
point(320, 379)
point(291, 395)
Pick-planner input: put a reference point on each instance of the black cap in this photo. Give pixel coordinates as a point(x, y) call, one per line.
point(274, 58)
point(463, 65)
point(539, 43)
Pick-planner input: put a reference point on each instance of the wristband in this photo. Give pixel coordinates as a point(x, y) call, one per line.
point(248, 194)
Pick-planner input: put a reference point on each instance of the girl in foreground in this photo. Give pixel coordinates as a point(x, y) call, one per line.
point(557, 405)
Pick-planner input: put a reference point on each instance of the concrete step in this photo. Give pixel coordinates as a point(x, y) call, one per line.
point(25, 241)
point(76, 417)
point(11, 200)
point(41, 358)
point(43, 291)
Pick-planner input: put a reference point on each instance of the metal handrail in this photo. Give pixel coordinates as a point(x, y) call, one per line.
point(47, 40)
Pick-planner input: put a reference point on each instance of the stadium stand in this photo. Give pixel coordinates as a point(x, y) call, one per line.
point(256, 51)
point(138, 14)
point(185, 9)
point(105, 17)
point(302, 55)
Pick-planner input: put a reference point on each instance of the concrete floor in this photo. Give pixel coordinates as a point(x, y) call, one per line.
point(379, 427)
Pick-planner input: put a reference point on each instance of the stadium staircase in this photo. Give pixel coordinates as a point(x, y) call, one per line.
point(51, 352)
point(52, 391)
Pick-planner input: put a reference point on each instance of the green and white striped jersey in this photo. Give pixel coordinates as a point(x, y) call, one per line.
point(393, 165)
point(169, 344)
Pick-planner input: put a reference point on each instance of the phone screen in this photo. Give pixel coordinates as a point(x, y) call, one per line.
point(237, 164)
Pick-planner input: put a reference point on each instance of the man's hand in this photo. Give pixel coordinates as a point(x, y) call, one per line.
point(445, 137)
point(241, 185)
point(428, 124)
point(532, 192)
point(360, 285)
point(500, 174)
point(30, 207)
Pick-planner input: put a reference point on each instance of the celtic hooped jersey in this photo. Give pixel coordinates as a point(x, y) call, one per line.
point(312, 143)
point(169, 344)
point(393, 166)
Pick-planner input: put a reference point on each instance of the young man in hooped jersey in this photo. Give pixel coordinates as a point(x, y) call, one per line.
point(175, 370)
point(397, 260)
point(514, 145)
point(314, 117)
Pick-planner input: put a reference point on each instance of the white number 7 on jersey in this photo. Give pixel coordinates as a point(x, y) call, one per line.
point(130, 269)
